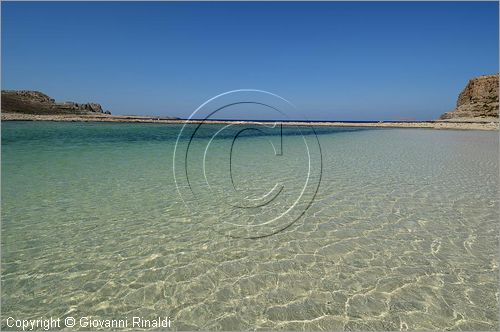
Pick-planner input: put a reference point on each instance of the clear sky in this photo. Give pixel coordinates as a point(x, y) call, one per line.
point(334, 60)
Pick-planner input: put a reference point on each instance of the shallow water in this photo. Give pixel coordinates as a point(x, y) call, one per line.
point(402, 232)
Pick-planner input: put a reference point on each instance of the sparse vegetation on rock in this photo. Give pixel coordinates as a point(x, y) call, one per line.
point(35, 102)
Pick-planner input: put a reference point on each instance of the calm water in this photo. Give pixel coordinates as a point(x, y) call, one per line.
point(401, 234)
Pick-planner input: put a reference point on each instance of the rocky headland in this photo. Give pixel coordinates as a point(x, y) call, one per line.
point(38, 103)
point(477, 101)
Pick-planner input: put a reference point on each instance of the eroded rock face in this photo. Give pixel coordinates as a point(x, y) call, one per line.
point(35, 102)
point(90, 107)
point(479, 99)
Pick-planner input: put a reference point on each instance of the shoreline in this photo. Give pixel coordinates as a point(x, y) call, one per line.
point(457, 124)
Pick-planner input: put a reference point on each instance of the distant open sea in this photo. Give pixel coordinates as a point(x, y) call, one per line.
point(402, 232)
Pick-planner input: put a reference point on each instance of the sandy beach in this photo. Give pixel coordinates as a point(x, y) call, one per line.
point(456, 124)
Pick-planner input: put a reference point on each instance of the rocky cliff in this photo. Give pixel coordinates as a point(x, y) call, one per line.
point(479, 99)
point(35, 102)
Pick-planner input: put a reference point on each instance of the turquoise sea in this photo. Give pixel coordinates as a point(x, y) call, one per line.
point(280, 228)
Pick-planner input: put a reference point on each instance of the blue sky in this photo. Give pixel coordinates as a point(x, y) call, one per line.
point(334, 61)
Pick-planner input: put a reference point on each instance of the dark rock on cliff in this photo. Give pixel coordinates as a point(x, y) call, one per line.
point(35, 102)
point(479, 99)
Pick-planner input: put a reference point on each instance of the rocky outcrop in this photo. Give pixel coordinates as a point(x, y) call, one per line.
point(479, 99)
point(35, 102)
point(90, 107)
